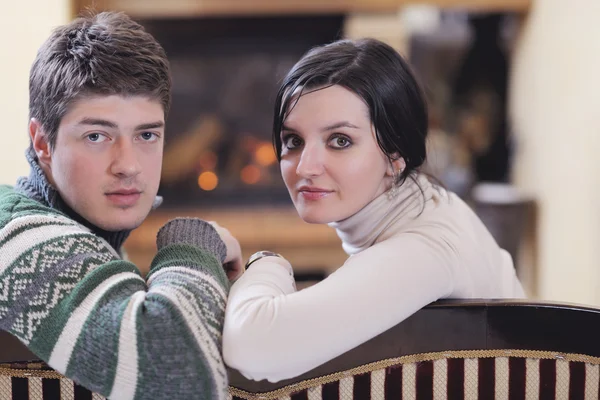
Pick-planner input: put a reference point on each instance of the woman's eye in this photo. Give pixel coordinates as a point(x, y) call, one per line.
point(292, 141)
point(340, 142)
point(96, 137)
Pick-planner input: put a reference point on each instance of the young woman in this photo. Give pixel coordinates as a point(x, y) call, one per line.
point(350, 128)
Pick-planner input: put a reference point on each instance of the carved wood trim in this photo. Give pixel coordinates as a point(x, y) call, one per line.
point(199, 8)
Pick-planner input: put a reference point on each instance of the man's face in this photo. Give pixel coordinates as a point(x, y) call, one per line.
point(106, 162)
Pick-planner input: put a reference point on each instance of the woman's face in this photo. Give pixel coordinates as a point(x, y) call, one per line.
point(330, 160)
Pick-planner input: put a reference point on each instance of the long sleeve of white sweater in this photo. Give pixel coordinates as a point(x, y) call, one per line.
point(274, 332)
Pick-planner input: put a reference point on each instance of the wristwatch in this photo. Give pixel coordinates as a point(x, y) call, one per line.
point(260, 254)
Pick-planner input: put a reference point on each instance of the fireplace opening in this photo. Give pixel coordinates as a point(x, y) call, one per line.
point(226, 72)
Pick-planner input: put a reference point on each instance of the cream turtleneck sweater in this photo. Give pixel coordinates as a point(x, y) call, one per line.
point(404, 254)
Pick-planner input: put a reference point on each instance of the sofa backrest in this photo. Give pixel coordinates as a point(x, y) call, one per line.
point(452, 349)
point(459, 349)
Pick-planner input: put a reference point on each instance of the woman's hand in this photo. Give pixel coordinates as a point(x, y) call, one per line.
point(233, 265)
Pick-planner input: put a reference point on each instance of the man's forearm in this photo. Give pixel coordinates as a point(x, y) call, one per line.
point(93, 318)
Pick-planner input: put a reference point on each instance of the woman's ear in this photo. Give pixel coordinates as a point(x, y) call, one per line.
point(396, 166)
point(39, 141)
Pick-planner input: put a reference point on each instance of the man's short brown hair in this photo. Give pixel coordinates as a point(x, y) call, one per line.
point(103, 54)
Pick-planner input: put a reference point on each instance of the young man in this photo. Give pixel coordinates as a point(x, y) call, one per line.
point(99, 95)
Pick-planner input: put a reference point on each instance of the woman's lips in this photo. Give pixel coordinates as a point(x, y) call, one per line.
point(309, 194)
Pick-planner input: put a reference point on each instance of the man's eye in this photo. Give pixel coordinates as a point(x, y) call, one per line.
point(148, 136)
point(96, 137)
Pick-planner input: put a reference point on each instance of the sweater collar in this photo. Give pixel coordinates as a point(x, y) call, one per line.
point(373, 222)
point(37, 187)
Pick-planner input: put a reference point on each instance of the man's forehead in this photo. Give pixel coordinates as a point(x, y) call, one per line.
point(115, 111)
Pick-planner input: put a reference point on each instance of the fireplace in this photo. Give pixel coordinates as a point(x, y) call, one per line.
point(219, 163)
point(226, 72)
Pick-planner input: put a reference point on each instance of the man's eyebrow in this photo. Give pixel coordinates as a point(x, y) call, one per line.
point(150, 125)
point(97, 121)
point(109, 124)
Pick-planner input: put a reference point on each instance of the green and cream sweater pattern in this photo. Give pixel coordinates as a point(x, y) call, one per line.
point(68, 295)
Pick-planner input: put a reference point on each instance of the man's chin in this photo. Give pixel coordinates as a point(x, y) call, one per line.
point(120, 222)
point(120, 226)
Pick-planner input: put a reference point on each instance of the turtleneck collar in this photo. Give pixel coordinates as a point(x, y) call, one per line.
point(37, 187)
point(373, 222)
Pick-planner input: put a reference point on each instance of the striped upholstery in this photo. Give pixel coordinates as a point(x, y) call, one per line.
point(36, 381)
point(452, 349)
point(499, 375)
point(489, 374)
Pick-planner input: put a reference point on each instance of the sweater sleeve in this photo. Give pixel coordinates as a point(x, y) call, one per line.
point(273, 332)
point(67, 295)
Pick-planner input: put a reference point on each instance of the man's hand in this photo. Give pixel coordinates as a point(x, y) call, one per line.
point(234, 266)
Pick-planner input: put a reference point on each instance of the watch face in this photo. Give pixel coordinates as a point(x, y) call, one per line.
point(260, 254)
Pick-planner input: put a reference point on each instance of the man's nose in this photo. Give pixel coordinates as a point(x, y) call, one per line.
point(125, 160)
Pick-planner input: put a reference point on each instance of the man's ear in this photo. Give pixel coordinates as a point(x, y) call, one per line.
point(39, 141)
point(396, 166)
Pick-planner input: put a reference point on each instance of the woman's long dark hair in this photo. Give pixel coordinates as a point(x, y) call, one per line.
point(381, 77)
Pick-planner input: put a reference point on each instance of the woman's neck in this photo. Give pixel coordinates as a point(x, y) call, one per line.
point(371, 224)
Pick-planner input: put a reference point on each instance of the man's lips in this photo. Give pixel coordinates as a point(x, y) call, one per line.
point(124, 197)
point(124, 191)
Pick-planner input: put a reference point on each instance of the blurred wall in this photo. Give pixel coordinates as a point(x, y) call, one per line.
point(555, 109)
point(24, 25)
point(555, 98)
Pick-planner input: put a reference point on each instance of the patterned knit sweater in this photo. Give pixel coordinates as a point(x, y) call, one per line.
point(66, 293)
